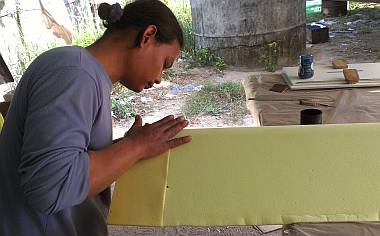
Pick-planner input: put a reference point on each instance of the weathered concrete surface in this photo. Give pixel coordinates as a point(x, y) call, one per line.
point(239, 30)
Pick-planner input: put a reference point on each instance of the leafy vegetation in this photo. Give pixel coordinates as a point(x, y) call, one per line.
point(214, 99)
point(87, 38)
point(364, 29)
point(204, 57)
point(313, 17)
point(270, 57)
point(360, 5)
point(182, 11)
point(122, 104)
point(197, 57)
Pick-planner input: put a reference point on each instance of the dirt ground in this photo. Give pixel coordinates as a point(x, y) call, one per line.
point(357, 41)
point(163, 100)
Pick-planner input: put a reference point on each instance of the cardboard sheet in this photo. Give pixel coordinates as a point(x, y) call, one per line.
point(359, 105)
point(255, 176)
point(327, 77)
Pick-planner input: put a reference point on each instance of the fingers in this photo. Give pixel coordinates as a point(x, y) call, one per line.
point(156, 138)
point(162, 121)
point(135, 125)
point(168, 125)
point(179, 141)
point(176, 128)
point(138, 121)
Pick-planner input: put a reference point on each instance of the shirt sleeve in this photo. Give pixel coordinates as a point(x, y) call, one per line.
point(54, 172)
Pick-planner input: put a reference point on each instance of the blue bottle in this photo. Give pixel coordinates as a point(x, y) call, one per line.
point(306, 70)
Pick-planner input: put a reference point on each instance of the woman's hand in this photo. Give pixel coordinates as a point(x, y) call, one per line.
point(154, 139)
point(140, 142)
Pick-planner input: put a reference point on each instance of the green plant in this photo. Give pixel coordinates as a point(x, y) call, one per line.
point(122, 105)
point(213, 99)
point(359, 5)
point(364, 29)
point(201, 104)
point(26, 54)
point(270, 57)
point(122, 108)
point(125, 2)
point(87, 38)
point(220, 63)
point(167, 74)
point(314, 17)
point(182, 11)
point(369, 9)
point(202, 57)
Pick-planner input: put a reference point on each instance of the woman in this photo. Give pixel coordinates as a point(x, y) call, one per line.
point(57, 157)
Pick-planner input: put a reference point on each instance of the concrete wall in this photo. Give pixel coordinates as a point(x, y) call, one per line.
point(240, 30)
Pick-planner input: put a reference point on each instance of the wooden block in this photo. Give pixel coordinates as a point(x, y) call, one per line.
point(339, 64)
point(351, 76)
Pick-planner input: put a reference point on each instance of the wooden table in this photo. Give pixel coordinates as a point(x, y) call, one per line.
point(355, 105)
point(358, 0)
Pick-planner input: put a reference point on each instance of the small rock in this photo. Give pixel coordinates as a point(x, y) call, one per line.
point(146, 100)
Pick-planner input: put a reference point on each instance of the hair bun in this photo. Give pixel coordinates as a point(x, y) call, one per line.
point(110, 13)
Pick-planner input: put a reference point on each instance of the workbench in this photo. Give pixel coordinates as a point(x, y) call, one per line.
point(350, 105)
point(358, 1)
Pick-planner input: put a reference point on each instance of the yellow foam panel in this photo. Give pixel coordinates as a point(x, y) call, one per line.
point(1, 121)
point(255, 176)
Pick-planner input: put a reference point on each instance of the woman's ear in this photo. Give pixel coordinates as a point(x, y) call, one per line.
point(149, 36)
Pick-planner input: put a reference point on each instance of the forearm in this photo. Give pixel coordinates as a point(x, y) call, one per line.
point(141, 142)
point(108, 164)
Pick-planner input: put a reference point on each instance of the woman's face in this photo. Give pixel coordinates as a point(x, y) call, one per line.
point(144, 65)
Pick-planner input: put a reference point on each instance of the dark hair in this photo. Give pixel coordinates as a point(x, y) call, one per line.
point(139, 15)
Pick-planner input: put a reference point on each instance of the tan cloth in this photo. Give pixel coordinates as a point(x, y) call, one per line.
point(357, 105)
point(332, 229)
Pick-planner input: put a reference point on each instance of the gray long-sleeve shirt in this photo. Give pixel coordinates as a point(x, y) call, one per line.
point(60, 110)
